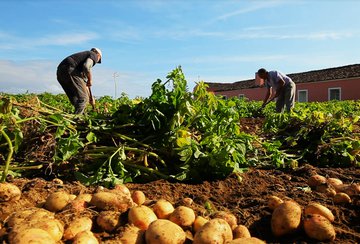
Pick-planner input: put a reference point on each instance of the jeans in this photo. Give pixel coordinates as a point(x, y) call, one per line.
point(74, 86)
point(286, 98)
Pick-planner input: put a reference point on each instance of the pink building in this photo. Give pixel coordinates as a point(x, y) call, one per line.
point(340, 83)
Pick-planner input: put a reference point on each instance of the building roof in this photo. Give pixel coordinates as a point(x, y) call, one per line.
point(337, 73)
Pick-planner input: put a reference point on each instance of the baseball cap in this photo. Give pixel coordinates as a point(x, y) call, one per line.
point(98, 51)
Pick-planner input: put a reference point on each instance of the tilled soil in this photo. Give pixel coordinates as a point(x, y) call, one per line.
point(243, 195)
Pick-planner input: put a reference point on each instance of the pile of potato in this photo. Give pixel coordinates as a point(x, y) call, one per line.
point(134, 219)
point(287, 219)
point(150, 222)
point(335, 188)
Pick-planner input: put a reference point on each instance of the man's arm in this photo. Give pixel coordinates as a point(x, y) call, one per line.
point(268, 93)
point(280, 88)
point(89, 63)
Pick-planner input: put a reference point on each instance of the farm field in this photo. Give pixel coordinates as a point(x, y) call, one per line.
point(224, 155)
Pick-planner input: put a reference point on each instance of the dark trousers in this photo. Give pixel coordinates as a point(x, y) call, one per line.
point(74, 86)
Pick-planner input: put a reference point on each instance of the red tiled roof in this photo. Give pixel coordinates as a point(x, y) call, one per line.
point(337, 73)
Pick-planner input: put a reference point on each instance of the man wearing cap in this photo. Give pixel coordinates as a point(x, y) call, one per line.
point(74, 75)
point(278, 86)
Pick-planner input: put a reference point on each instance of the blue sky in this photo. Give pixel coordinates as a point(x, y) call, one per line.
point(141, 41)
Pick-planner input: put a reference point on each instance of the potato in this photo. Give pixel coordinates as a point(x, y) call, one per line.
point(32, 235)
point(9, 192)
point(52, 226)
point(229, 217)
point(163, 231)
point(80, 203)
point(163, 209)
point(132, 235)
point(141, 216)
point(76, 226)
point(121, 189)
point(318, 227)
point(334, 181)
point(326, 189)
point(351, 190)
point(57, 201)
point(316, 208)
point(198, 223)
point(85, 237)
point(187, 201)
point(183, 216)
point(246, 240)
point(22, 215)
point(316, 180)
point(108, 220)
point(138, 197)
point(342, 197)
point(214, 231)
point(274, 202)
point(286, 218)
point(111, 201)
point(241, 231)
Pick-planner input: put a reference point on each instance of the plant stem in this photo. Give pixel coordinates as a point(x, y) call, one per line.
point(9, 156)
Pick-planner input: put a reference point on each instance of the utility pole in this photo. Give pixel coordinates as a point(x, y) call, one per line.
point(115, 75)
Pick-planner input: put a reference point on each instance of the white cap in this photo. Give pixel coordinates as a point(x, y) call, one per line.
point(98, 51)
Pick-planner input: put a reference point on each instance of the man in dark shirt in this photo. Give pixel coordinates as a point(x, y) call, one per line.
point(74, 75)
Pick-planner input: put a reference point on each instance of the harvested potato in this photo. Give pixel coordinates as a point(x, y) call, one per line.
point(32, 235)
point(57, 201)
point(183, 216)
point(9, 192)
point(325, 188)
point(351, 190)
point(316, 180)
point(121, 189)
point(132, 235)
point(274, 202)
point(316, 208)
point(111, 201)
point(198, 223)
point(334, 182)
point(241, 231)
point(163, 231)
point(342, 197)
point(246, 240)
point(163, 209)
point(214, 231)
point(187, 201)
point(318, 227)
point(18, 217)
point(52, 226)
point(80, 203)
point(286, 218)
point(141, 216)
point(138, 197)
point(76, 226)
point(85, 237)
point(229, 217)
point(108, 220)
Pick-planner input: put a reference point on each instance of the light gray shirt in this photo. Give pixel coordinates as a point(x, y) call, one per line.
point(273, 79)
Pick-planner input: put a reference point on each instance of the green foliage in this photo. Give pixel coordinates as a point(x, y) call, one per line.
point(178, 135)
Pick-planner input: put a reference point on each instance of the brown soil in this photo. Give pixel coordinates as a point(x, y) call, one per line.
point(243, 195)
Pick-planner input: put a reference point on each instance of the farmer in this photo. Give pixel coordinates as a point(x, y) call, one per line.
point(74, 75)
point(278, 86)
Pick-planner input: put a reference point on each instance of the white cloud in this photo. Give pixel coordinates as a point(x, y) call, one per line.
point(255, 6)
point(9, 41)
point(40, 76)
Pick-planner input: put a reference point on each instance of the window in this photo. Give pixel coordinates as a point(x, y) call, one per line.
point(334, 93)
point(302, 96)
point(242, 96)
